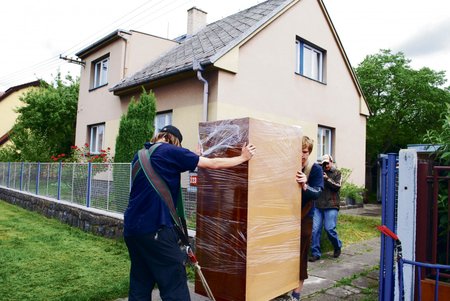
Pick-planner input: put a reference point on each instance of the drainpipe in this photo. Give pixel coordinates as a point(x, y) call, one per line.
point(125, 54)
point(197, 67)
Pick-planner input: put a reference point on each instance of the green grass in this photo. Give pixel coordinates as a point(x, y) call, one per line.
point(352, 229)
point(43, 259)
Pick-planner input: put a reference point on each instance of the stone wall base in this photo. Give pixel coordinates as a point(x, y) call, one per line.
point(87, 219)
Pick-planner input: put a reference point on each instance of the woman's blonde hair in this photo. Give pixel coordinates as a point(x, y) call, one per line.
point(168, 137)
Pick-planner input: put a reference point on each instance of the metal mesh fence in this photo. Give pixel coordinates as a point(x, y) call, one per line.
point(104, 186)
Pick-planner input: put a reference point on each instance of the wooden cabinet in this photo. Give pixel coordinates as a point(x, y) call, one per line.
point(248, 217)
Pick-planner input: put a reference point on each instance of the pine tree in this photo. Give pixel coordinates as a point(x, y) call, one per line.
point(136, 127)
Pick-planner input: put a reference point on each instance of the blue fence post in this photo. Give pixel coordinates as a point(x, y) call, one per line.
point(59, 180)
point(388, 197)
point(21, 177)
point(388, 219)
point(88, 190)
point(383, 172)
point(38, 173)
point(8, 177)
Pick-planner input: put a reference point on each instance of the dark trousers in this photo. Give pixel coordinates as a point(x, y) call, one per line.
point(157, 258)
point(305, 243)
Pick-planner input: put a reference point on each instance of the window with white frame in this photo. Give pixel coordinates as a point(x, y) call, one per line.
point(324, 141)
point(310, 60)
point(96, 135)
point(100, 73)
point(162, 119)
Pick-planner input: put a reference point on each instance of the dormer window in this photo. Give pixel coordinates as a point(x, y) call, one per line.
point(100, 74)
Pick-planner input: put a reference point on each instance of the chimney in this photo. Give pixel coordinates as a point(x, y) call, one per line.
point(196, 20)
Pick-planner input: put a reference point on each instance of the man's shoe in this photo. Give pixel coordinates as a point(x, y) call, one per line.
point(295, 296)
point(337, 253)
point(313, 258)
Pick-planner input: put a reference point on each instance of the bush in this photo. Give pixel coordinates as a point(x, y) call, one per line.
point(352, 191)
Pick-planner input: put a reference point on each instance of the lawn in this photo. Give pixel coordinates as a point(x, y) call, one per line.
point(352, 229)
point(43, 259)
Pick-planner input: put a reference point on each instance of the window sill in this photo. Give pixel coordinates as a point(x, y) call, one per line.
point(92, 89)
point(315, 80)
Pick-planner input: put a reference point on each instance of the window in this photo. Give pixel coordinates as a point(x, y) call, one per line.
point(162, 119)
point(96, 138)
point(100, 72)
point(324, 142)
point(309, 61)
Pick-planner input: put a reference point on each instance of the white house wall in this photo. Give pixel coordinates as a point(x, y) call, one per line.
point(266, 85)
point(100, 105)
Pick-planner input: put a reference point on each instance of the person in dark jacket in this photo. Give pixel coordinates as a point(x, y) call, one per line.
point(310, 180)
point(326, 210)
point(149, 230)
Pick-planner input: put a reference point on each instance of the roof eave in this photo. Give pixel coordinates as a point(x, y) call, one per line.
point(101, 43)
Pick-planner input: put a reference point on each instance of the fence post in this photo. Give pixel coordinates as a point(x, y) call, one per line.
point(388, 190)
point(406, 216)
point(88, 190)
point(59, 180)
point(21, 176)
point(8, 178)
point(38, 173)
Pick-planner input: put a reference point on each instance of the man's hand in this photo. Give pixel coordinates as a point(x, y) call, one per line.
point(248, 151)
point(301, 179)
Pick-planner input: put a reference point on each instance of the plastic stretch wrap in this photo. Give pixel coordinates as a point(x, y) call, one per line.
point(248, 216)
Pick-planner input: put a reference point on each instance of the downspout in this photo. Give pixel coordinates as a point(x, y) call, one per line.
point(125, 55)
point(197, 67)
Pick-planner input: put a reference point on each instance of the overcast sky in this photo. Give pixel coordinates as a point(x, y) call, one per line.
point(35, 33)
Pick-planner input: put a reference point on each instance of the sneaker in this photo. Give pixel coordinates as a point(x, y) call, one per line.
point(337, 253)
point(313, 258)
point(295, 296)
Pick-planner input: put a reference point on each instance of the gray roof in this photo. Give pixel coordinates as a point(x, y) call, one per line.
point(207, 45)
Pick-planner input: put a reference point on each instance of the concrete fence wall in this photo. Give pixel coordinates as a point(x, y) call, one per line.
point(88, 219)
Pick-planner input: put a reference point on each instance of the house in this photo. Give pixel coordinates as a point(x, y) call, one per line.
point(280, 60)
point(9, 102)
point(106, 62)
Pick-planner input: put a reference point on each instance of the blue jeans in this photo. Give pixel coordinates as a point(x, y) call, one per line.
point(328, 219)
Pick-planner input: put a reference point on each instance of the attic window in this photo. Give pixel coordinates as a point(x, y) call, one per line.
point(310, 60)
point(100, 72)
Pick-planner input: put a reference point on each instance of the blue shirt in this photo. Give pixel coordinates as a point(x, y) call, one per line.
point(146, 211)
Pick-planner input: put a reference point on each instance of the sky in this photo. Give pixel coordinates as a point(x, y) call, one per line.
point(35, 33)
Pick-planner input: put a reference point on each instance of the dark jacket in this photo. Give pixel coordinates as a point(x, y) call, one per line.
point(329, 198)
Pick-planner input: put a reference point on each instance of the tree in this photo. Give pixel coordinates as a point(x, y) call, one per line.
point(405, 103)
point(441, 138)
point(136, 126)
point(46, 123)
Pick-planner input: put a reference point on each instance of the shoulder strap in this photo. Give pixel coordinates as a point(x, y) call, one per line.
point(161, 188)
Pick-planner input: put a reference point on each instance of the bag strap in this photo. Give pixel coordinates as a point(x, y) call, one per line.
point(161, 188)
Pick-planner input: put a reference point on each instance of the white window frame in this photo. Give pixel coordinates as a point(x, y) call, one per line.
point(96, 138)
point(324, 141)
point(101, 72)
point(162, 119)
point(309, 61)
